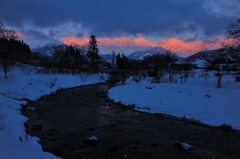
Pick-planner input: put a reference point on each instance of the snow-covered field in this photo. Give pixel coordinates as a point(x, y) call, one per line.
point(196, 98)
point(21, 86)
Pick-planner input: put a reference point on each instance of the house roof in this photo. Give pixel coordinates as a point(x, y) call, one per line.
point(201, 63)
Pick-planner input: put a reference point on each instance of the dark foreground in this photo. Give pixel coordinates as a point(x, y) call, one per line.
point(64, 121)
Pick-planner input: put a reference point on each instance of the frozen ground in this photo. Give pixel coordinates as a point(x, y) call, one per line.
point(13, 91)
point(196, 98)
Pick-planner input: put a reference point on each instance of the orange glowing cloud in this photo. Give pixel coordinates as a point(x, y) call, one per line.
point(119, 41)
point(23, 36)
point(221, 42)
point(173, 45)
point(180, 46)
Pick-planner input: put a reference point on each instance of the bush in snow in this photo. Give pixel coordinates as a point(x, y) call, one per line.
point(138, 75)
point(52, 82)
point(83, 76)
point(237, 78)
point(118, 75)
point(157, 78)
point(26, 69)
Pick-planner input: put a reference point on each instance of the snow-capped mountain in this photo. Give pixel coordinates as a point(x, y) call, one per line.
point(127, 46)
point(179, 46)
point(137, 48)
point(139, 55)
point(209, 55)
point(120, 45)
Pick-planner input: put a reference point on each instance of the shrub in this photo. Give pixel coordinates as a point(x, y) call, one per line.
point(118, 75)
point(27, 69)
point(237, 79)
point(52, 82)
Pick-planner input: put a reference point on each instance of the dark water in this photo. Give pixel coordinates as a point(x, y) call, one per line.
point(71, 116)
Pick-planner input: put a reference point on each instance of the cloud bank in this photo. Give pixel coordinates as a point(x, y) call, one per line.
point(154, 20)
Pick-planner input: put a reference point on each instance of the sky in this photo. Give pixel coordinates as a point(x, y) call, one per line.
point(47, 21)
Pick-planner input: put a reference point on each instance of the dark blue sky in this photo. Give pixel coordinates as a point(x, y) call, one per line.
point(49, 20)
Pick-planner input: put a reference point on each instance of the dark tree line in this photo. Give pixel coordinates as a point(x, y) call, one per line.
point(64, 59)
point(70, 59)
point(61, 58)
point(158, 65)
point(121, 71)
point(12, 50)
point(122, 61)
point(15, 49)
point(155, 66)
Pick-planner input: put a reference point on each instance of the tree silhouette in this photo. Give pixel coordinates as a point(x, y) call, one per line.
point(122, 61)
point(92, 52)
point(113, 58)
point(234, 31)
point(11, 49)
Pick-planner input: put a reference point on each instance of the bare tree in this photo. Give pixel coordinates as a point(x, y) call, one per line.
point(11, 34)
point(12, 50)
point(2, 35)
point(57, 52)
point(82, 61)
point(169, 59)
point(181, 74)
point(218, 74)
point(2, 29)
point(6, 64)
point(114, 55)
point(234, 31)
point(218, 66)
point(6, 59)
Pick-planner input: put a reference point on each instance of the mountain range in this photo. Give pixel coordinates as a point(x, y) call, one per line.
point(128, 46)
point(138, 48)
point(139, 55)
